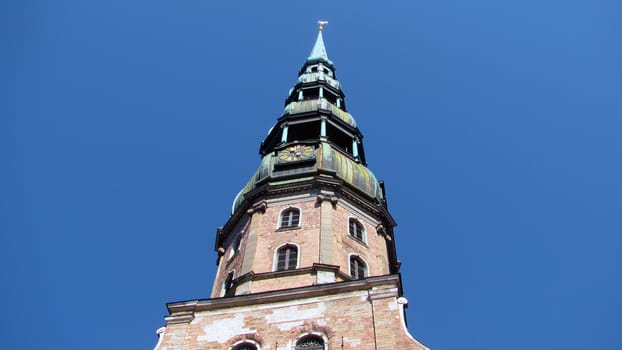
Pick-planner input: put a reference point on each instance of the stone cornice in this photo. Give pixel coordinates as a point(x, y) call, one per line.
point(252, 276)
point(378, 287)
point(316, 182)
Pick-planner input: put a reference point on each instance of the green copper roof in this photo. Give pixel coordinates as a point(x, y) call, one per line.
point(327, 160)
point(319, 50)
point(315, 105)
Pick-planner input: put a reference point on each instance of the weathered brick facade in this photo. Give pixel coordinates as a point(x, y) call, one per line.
point(322, 238)
point(308, 255)
point(364, 314)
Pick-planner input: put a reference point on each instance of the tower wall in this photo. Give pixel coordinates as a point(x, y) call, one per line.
point(322, 238)
point(362, 315)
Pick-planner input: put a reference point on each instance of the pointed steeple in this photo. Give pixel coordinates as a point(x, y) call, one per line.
point(319, 50)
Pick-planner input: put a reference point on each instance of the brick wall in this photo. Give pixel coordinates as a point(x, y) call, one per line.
point(319, 222)
point(359, 319)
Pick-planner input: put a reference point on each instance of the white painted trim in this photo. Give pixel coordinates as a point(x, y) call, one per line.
point(401, 301)
point(278, 222)
point(275, 259)
point(160, 333)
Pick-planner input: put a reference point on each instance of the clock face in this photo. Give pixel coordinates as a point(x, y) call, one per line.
point(294, 153)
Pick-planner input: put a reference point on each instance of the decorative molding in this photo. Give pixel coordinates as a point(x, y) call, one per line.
point(332, 199)
point(180, 317)
point(383, 293)
point(381, 230)
point(258, 207)
point(390, 282)
point(160, 334)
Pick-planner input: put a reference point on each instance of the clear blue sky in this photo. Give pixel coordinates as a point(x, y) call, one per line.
point(127, 127)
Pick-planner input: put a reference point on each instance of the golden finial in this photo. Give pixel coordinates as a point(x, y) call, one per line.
point(322, 24)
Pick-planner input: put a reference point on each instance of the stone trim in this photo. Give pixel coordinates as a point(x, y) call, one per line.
point(258, 207)
point(179, 317)
point(382, 293)
point(252, 276)
point(332, 199)
point(184, 308)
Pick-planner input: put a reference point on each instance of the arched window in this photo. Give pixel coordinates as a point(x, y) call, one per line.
point(290, 218)
point(287, 258)
point(356, 229)
point(358, 268)
point(245, 346)
point(310, 342)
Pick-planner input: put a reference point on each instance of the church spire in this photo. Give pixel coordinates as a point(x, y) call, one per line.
point(319, 50)
point(309, 249)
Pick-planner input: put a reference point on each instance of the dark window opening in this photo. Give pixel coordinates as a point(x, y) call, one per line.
point(332, 98)
point(311, 94)
point(358, 269)
point(356, 229)
point(290, 218)
point(303, 132)
point(245, 346)
point(310, 342)
point(287, 258)
point(229, 284)
point(339, 138)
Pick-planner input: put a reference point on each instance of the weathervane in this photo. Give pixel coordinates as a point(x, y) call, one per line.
point(322, 24)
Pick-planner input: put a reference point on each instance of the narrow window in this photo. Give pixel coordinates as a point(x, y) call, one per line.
point(358, 269)
point(228, 286)
point(356, 229)
point(290, 218)
point(310, 342)
point(287, 258)
point(235, 247)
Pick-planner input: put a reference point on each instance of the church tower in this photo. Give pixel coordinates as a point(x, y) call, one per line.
point(307, 259)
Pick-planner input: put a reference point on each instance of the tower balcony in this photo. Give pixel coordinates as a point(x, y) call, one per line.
point(319, 105)
point(319, 76)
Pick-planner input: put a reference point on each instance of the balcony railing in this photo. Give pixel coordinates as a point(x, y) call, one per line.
point(311, 77)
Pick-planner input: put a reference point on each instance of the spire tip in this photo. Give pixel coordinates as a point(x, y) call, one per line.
point(321, 24)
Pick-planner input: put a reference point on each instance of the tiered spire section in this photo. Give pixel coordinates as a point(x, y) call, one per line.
point(317, 103)
point(315, 134)
point(312, 199)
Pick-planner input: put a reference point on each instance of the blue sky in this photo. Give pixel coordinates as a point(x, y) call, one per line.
point(128, 127)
